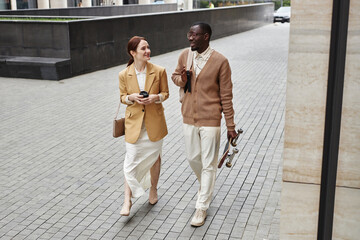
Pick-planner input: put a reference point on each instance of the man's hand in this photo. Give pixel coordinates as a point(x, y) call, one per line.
point(231, 134)
point(183, 75)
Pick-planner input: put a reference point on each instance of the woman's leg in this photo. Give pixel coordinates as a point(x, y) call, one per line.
point(125, 210)
point(154, 173)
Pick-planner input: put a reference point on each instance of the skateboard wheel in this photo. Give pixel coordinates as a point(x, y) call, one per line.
point(235, 150)
point(228, 164)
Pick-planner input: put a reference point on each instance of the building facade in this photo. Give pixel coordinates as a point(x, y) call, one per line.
point(44, 4)
point(41, 4)
point(321, 172)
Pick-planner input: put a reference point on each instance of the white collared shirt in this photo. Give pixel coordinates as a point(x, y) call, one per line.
point(141, 77)
point(200, 59)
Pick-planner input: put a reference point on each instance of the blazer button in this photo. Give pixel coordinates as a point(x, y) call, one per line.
point(143, 110)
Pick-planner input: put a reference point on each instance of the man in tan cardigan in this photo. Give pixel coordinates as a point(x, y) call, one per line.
point(208, 94)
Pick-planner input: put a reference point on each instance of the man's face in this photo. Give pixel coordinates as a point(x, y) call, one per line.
point(197, 38)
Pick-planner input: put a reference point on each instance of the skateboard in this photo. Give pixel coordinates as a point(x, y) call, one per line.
point(226, 154)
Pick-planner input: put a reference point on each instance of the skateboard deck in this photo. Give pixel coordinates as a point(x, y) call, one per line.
point(226, 154)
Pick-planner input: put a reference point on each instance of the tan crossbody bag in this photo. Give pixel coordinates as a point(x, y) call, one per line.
point(118, 124)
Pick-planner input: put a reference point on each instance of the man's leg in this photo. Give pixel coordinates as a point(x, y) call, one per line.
point(193, 148)
point(210, 143)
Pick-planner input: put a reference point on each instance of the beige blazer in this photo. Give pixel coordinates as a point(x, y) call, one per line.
point(152, 114)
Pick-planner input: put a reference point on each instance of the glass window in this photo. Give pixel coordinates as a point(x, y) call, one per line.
point(4, 4)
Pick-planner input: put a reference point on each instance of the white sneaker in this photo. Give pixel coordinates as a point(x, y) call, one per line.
point(199, 218)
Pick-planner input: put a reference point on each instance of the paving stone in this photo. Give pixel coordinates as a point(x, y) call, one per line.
point(159, 236)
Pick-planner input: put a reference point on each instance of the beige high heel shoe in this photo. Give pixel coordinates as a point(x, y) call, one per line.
point(124, 210)
point(153, 198)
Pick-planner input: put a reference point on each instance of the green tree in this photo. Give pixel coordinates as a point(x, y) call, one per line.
point(277, 3)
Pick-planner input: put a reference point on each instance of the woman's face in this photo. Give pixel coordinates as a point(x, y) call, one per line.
point(142, 52)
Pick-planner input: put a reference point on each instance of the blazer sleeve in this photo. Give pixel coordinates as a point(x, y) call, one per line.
point(122, 87)
point(164, 87)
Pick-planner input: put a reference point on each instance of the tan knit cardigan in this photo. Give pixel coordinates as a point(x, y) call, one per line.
point(211, 92)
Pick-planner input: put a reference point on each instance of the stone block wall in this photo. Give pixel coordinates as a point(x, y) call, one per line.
point(308, 72)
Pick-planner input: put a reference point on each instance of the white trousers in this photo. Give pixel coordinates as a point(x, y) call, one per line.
point(202, 149)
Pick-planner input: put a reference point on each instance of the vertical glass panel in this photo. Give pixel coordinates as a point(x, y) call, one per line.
point(4, 4)
point(22, 4)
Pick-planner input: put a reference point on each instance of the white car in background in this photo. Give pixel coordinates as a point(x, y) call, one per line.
point(282, 14)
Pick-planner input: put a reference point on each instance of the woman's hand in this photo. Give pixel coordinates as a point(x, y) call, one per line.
point(135, 97)
point(151, 99)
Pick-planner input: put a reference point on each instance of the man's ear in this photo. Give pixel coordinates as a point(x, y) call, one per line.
point(206, 36)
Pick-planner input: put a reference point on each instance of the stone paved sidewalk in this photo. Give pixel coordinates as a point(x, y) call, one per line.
point(61, 170)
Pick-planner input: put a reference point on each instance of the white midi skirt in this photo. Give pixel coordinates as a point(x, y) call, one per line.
point(139, 158)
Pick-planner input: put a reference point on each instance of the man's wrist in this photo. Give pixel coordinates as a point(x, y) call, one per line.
point(231, 129)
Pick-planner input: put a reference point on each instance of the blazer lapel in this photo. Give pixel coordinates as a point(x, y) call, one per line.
point(150, 76)
point(132, 79)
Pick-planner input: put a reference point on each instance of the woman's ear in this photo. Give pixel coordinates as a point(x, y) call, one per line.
point(133, 53)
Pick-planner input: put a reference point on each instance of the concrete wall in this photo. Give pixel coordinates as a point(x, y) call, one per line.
point(94, 44)
point(30, 39)
point(96, 11)
point(308, 68)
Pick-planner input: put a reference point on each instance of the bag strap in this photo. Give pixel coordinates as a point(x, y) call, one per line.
point(189, 60)
point(117, 112)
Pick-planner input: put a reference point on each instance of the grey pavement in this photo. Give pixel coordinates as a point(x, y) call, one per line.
point(61, 171)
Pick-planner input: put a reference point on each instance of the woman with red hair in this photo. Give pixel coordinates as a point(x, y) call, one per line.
point(143, 88)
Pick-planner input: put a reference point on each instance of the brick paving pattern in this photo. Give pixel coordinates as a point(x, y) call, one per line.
point(61, 171)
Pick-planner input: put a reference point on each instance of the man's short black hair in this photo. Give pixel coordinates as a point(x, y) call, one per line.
point(204, 27)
